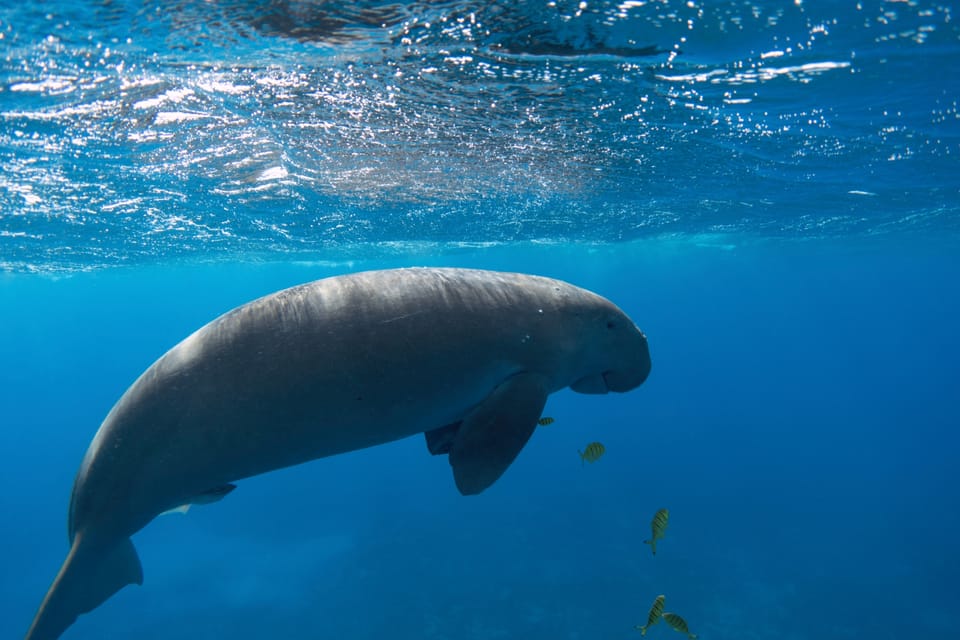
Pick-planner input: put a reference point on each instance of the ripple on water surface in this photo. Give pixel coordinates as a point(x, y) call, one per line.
point(131, 131)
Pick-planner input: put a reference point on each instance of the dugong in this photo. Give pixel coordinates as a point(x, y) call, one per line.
point(466, 357)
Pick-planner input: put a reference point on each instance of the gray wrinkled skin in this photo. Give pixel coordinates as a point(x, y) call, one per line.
point(320, 369)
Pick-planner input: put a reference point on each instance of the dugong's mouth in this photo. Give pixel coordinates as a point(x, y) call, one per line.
point(613, 380)
point(617, 381)
point(621, 381)
point(591, 384)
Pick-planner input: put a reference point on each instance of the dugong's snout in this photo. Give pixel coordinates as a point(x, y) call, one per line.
point(632, 368)
point(621, 358)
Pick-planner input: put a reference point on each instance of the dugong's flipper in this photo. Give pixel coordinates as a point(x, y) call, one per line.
point(494, 432)
point(87, 578)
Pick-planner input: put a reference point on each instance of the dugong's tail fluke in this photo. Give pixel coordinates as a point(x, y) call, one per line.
point(89, 575)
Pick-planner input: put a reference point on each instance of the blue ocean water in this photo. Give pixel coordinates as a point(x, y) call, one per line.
point(770, 189)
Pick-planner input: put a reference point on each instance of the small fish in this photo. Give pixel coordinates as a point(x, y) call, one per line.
point(656, 610)
point(679, 624)
point(658, 527)
point(592, 453)
point(545, 421)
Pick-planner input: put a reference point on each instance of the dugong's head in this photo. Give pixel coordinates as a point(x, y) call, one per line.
point(614, 355)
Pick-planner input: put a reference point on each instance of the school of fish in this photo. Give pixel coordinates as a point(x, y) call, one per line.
point(658, 527)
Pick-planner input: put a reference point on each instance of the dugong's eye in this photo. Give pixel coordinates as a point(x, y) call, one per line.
point(611, 324)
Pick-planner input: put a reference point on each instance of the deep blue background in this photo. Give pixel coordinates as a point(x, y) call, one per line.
point(800, 423)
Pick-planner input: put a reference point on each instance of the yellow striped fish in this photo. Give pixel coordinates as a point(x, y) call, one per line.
point(656, 610)
point(592, 453)
point(658, 527)
point(545, 421)
point(679, 624)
